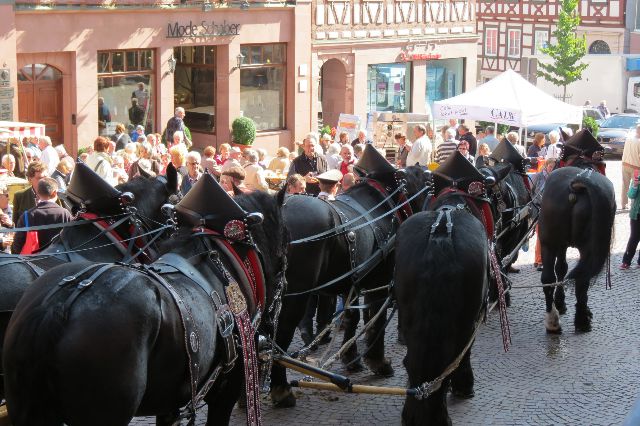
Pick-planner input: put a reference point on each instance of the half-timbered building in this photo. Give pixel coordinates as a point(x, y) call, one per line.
point(511, 32)
point(390, 55)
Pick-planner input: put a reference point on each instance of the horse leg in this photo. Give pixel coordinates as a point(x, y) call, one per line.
point(221, 399)
point(552, 318)
point(462, 378)
point(432, 409)
point(292, 311)
point(374, 337)
point(582, 319)
point(561, 272)
point(350, 320)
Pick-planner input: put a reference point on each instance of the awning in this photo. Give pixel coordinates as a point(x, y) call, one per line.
point(14, 129)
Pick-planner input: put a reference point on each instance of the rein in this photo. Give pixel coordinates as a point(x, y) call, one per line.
point(340, 229)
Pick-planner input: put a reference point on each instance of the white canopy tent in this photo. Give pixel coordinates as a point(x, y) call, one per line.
point(508, 99)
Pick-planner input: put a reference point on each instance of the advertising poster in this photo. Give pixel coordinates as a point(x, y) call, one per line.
point(348, 123)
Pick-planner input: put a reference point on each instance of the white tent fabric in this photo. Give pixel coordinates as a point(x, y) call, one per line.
point(14, 129)
point(508, 99)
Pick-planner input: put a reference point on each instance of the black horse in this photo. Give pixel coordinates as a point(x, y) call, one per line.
point(441, 282)
point(439, 306)
point(113, 342)
point(511, 200)
point(88, 241)
point(365, 252)
point(578, 210)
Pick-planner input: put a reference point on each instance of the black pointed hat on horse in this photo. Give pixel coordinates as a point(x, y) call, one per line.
point(584, 144)
point(88, 189)
point(208, 204)
point(373, 164)
point(456, 172)
point(506, 152)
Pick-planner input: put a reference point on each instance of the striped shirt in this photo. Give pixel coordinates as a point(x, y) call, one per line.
point(445, 149)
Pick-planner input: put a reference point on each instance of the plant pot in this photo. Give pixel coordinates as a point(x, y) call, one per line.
point(241, 146)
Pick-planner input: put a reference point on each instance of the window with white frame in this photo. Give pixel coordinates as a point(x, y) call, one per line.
point(514, 38)
point(541, 40)
point(491, 41)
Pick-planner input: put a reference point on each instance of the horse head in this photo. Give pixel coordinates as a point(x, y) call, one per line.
point(149, 194)
point(417, 178)
point(271, 239)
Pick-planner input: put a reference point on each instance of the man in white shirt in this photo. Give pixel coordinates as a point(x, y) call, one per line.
point(630, 162)
point(554, 149)
point(421, 149)
point(49, 154)
point(233, 160)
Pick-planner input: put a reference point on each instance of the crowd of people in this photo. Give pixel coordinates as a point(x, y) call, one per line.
point(323, 167)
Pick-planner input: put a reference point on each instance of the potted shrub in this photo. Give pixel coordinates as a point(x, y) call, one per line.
point(243, 130)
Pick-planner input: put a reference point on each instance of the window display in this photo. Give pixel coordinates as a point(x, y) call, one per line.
point(445, 78)
point(389, 87)
point(125, 90)
point(262, 85)
point(194, 85)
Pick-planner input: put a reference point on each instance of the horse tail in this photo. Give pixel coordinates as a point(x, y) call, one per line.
point(30, 374)
point(600, 223)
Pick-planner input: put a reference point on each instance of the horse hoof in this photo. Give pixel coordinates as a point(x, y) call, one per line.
point(282, 397)
point(463, 393)
point(552, 321)
point(583, 325)
point(562, 308)
point(380, 368)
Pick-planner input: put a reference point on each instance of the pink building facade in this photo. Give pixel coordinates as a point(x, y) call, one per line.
point(78, 70)
point(83, 66)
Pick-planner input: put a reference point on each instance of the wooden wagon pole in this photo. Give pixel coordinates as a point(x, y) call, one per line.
point(341, 382)
point(4, 416)
point(375, 390)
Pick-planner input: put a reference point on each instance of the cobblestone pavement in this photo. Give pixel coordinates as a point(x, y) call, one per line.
point(572, 379)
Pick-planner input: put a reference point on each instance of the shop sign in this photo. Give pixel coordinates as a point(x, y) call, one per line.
point(206, 29)
point(6, 110)
point(7, 92)
point(406, 56)
point(5, 77)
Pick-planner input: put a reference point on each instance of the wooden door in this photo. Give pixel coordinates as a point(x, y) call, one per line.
point(40, 98)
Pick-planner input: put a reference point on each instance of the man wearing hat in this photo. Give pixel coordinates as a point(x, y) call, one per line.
point(328, 182)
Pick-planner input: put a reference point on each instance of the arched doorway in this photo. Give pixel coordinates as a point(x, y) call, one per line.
point(333, 91)
point(40, 98)
point(599, 47)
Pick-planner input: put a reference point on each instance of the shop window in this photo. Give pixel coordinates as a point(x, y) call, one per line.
point(262, 85)
point(124, 75)
point(445, 79)
point(491, 41)
point(513, 43)
point(389, 87)
point(194, 84)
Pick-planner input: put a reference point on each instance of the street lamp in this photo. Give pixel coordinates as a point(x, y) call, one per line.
point(240, 61)
point(172, 64)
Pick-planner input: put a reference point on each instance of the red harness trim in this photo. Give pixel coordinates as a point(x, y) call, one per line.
point(103, 225)
point(406, 208)
point(481, 208)
point(257, 284)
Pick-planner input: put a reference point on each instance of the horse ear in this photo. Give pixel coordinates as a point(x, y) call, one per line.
point(281, 195)
point(172, 179)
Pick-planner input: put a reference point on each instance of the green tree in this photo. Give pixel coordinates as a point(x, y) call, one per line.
point(567, 51)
